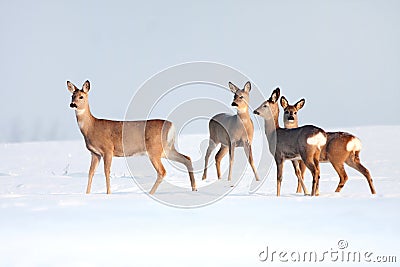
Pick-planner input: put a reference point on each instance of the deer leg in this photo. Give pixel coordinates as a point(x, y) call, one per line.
point(309, 162)
point(339, 168)
point(185, 160)
point(249, 155)
point(156, 161)
point(303, 168)
point(300, 182)
point(107, 167)
point(211, 147)
point(297, 172)
point(317, 169)
point(355, 163)
point(311, 167)
point(231, 158)
point(279, 172)
point(296, 168)
point(93, 166)
point(218, 157)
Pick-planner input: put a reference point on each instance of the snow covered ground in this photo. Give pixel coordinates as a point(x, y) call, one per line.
point(47, 220)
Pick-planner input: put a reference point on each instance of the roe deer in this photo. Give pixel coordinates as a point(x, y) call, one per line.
point(291, 144)
point(340, 148)
point(103, 139)
point(232, 131)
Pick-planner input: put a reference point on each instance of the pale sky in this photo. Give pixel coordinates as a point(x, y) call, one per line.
point(342, 56)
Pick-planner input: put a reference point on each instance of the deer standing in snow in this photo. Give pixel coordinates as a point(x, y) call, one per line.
point(103, 139)
point(341, 147)
point(232, 131)
point(291, 144)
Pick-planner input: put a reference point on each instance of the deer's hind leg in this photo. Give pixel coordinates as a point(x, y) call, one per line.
point(185, 160)
point(218, 157)
point(249, 155)
point(312, 163)
point(211, 147)
point(317, 154)
point(354, 161)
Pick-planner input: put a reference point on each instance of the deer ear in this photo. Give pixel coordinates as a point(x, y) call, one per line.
point(86, 87)
point(247, 87)
point(233, 87)
point(300, 104)
point(71, 87)
point(275, 95)
point(284, 102)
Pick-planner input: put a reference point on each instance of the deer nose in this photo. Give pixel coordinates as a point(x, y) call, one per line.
point(73, 105)
point(234, 104)
point(291, 118)
point(256, 112)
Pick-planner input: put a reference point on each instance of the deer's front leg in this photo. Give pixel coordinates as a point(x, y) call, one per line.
point(300, 178)
point(93, 166)
point(107, 167)
point(156, 161)
point(296, 168)
point(279, 173)
point(231, 158)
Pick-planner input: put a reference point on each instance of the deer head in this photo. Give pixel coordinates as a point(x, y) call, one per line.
point(241, 97)
point(269, 109)
point(290, 118)
point(79, 100)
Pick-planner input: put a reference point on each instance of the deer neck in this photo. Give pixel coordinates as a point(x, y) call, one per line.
point(271, 125)
point(291, 125)
point(243, 114)
point(85, 119)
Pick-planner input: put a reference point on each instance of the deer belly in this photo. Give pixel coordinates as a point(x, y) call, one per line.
point(239, 143)
point(134, 150)
point(291, 156)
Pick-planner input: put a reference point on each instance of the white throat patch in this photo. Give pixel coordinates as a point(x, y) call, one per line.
point(79, 111)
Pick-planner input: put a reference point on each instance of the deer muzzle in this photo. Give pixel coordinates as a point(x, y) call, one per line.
point(73, 105)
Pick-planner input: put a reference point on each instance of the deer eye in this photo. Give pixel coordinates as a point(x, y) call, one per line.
point(241, 97)
point(286, 112)
point(295, 113)
point(265, 106)
point(81, 97)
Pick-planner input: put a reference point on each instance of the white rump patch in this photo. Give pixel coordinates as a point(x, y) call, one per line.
point(317, 140)
point(354, 145)
point(171, 135)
